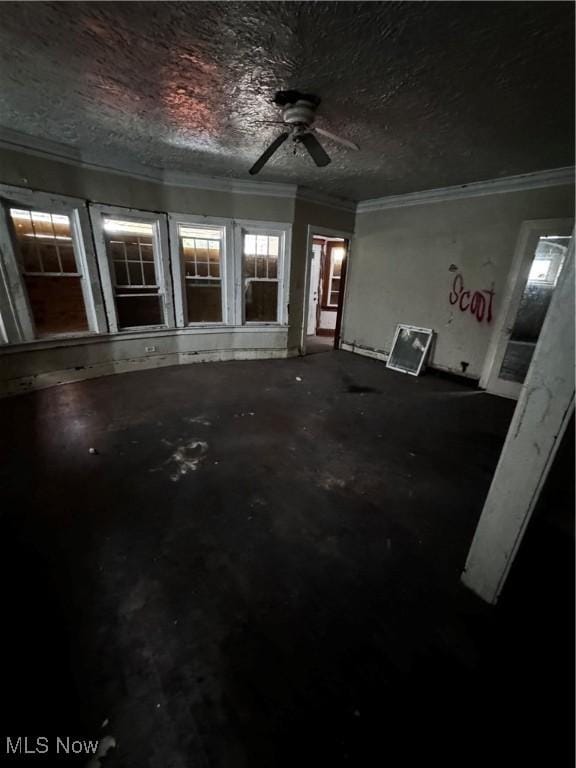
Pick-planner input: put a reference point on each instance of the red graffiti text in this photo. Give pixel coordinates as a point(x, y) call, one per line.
point(478, 303)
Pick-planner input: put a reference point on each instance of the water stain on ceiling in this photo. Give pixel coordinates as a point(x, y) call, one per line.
point(435, 94)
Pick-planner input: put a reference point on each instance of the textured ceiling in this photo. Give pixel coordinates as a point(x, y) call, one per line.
point(435, 94)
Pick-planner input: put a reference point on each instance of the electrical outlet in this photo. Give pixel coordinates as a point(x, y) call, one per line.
point(150, 349)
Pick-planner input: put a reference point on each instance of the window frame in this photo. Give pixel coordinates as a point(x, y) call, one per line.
point(328, 271)
point(161, 263)
point(226, 268)
point(270, 228)
point(17, 318)
point(331, 277)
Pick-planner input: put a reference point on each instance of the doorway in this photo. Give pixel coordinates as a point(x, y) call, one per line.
point(538, 262)
point(325, 286)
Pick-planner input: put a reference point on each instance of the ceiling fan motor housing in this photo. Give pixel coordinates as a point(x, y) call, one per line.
point(300, 113)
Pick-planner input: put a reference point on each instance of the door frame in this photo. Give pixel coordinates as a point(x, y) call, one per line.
point(318, 297)
point(321, 232)
point(529, 233)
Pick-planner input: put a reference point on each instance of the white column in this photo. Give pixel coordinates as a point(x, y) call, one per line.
point(544, 408)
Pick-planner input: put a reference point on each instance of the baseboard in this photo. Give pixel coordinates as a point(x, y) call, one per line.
point(81, 373)
point(358, 349)
point(468, 381)
point(380, 354)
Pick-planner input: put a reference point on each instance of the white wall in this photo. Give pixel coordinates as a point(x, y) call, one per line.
point(401, 261)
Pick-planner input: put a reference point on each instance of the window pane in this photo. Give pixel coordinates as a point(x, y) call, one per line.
point(261, 270)
point(337, 254)
point(135, 273)
point(67, 258)
point(273, 246)
point(49, 257)
point(29, 257)
point(249, 266)
point(334, 299)
point(61, 227)
point(261, 244)
point(250, 245)
point(44, 244)
point(42, 223)
point(116, 250)
point(41, 239)
point(261, 301)
point(200, 249)
point(138, 309)
point(273, 268)
point(149, 273)
point(22, 221)
point(120, 273)
point(147, 251)
point(204, 301)
point(57, 304)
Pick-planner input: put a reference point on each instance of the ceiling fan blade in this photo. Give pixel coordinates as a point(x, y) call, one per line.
point(315, 149)
point(267, 154)
point(337, 139)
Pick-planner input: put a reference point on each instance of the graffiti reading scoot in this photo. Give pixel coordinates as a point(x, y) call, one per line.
point(478, 303)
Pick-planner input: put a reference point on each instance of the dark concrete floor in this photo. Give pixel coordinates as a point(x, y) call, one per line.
point(259, 572)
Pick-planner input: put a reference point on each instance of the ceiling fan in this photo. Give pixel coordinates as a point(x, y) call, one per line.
point(298, 115)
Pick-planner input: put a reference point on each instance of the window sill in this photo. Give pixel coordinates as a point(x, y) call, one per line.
point(255, 324)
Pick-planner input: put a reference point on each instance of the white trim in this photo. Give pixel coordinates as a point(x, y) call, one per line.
point(553, 178)
point(15, 308)
point(161, 260)
point(226, 266)
point(15, 305)
point(526, 243)
point(63, 153)
point(543, 412)
point(321, 198)
point(313, 230)
point(86, 256)
point(40, 200)
point(365, 351)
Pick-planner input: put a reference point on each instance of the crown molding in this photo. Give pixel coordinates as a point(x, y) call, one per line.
point(537, 180)
point(64, 153)
point(321, 198)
